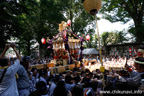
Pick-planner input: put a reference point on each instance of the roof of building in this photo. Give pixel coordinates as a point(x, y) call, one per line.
point(124, 44)
point(90, 51)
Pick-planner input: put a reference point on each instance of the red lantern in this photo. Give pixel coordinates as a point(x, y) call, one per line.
point(88, 37)
point(43, 41)
point(69, 22)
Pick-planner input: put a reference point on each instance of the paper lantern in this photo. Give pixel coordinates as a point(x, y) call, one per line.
point(43, 41)
point(92, 6)
point(88, 37)
point(69, 22)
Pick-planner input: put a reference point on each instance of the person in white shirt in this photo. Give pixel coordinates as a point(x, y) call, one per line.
point(8, 86)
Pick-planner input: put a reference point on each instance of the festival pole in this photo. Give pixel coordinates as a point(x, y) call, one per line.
point(92, 7)
point(100, 52)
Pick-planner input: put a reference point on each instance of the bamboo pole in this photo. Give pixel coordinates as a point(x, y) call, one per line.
point(100, 50)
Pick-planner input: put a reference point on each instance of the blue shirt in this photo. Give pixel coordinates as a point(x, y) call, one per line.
point(33, 82)
point(8, 86)
point(41, 79)
point(23, 81)
point(69, 86)
point(51, 89)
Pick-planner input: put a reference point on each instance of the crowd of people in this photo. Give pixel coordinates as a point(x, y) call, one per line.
point(18, 79)
point(40, 60)
point(108, 62)
point(34, 61)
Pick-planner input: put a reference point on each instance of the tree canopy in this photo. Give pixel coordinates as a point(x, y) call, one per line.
point(9, 25)
point(125, 10)
point(113, 38)
point(30, 20)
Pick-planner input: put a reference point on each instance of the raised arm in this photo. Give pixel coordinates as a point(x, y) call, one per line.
point(7, 46)
point(17, 54)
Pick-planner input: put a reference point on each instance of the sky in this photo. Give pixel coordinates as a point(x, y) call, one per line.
point(106, 26)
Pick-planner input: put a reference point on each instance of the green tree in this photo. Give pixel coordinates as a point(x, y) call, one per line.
point(80, 20)
point(39, 19)
point(30, 20)
point(104, 38)
point(95, 41)
point(16, 22)
point(113, 38)
point(53, 12)
point(9, 25)
point(27, 23)
point(125, 10)
point(121, 37)
point(74, 10)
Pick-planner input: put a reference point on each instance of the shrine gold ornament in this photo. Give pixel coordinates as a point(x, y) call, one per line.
point(92, 6)
point(62, 26)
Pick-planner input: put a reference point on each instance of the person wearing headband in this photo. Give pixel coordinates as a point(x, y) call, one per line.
point(136, 77)
point(139, 64)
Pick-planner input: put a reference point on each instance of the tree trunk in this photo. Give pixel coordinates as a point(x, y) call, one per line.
point(40, 50)
point(139, 32)
point(137, 17)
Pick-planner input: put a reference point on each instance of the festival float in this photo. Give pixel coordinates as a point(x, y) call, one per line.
point(66, 46)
